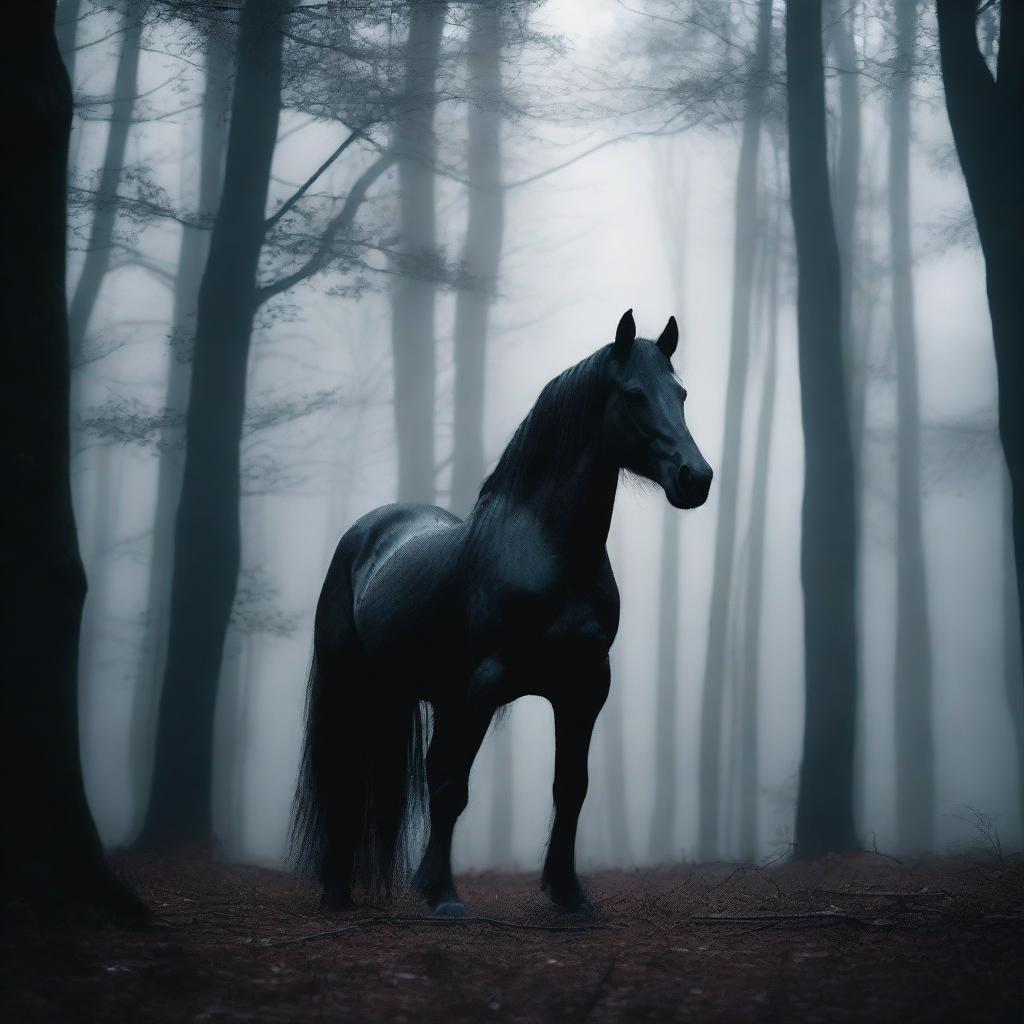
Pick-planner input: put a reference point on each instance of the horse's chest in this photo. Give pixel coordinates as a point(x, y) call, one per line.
point(545, 613)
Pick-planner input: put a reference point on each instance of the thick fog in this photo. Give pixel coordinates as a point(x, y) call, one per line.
point(646, 223)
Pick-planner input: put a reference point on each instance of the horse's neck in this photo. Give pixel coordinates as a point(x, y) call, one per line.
point(575, 509)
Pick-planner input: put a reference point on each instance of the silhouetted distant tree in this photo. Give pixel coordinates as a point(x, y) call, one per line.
point(727, 496)
point(207, 541)
point(481, 252)
point(415, 286)
point(51, 852)
point(752, 590)
point(219, 59)
point(915, 745)
point(986, 113)
point(824, 816)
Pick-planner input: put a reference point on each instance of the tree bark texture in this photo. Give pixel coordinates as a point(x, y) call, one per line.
point(207, 538)
point(824, 815)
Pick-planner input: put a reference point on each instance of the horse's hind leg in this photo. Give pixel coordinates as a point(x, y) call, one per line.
point(576, 710)
point(458, 733)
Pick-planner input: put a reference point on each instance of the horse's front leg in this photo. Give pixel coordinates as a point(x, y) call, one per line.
point(576, 709)
point(458, 733)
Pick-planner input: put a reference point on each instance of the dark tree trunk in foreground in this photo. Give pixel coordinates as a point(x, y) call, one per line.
point(915, 747)
point(728, 489)
point(207, 539)
point(99, 248)
point(480, 255)
point(412, 303)
point(51, 852)
point(987, 118)
point(824, 814)
point(191, 260)
point(666, 768)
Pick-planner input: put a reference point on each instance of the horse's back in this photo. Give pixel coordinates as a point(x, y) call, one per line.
point(399, 560)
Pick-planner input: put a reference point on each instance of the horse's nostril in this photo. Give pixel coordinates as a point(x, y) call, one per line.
point(685, 476)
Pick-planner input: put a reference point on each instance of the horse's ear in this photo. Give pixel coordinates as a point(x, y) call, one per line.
point(669, 337)
point(625, 334)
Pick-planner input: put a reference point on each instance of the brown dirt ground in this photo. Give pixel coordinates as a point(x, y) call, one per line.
point(937, 940)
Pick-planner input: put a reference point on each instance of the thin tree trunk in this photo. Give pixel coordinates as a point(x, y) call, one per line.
point(51, 852)
point(915, 746)
point(207, 538)
point(413, 295)
point(191, 259)
point(824, 813)
point(754, 591)
point(481, 253)
point(663, 820)
point(988, 131)
point(99, 248)
point(847, 192)
point(710, 786)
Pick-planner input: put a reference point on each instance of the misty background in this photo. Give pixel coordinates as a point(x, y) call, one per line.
point(620, 128)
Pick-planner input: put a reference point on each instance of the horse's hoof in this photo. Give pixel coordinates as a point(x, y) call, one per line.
point(449, 908)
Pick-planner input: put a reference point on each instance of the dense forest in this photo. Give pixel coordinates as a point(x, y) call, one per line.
point(268, 265)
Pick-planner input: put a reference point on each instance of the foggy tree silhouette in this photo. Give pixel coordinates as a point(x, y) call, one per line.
point(481, 251)
point(841, 39)
point(414, 288)
point(51, 852)
point(207, 540)
point(745, 235)
point(99, 247)
point(218, 61)
point(986, 114)
point(915, 745)
point(824, 814)
point(749, 682)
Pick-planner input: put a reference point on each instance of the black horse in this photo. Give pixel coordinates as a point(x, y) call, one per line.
point(467, 615)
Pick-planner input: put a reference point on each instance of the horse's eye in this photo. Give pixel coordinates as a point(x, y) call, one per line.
point(634, 395)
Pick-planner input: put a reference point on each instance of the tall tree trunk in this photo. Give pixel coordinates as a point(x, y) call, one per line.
point(101, 234)
point(207, 539)
point(915, 747)
point(847, 193)
point(841, 38)
point(988, 130)
point(191, 259)
point(480, 255)
point(51, 852)
point(666, 769)
point(735, 400)
point(824, 813)
point(748, 689)
point(412, 299)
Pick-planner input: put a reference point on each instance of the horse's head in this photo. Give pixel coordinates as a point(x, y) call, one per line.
point(644, 419)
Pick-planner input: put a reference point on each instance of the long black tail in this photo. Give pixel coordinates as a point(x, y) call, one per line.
point(362, 780)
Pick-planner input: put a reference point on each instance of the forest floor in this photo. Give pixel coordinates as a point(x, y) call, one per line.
point(849, 938)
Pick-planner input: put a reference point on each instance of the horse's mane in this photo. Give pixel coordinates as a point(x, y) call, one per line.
point(560, 423)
